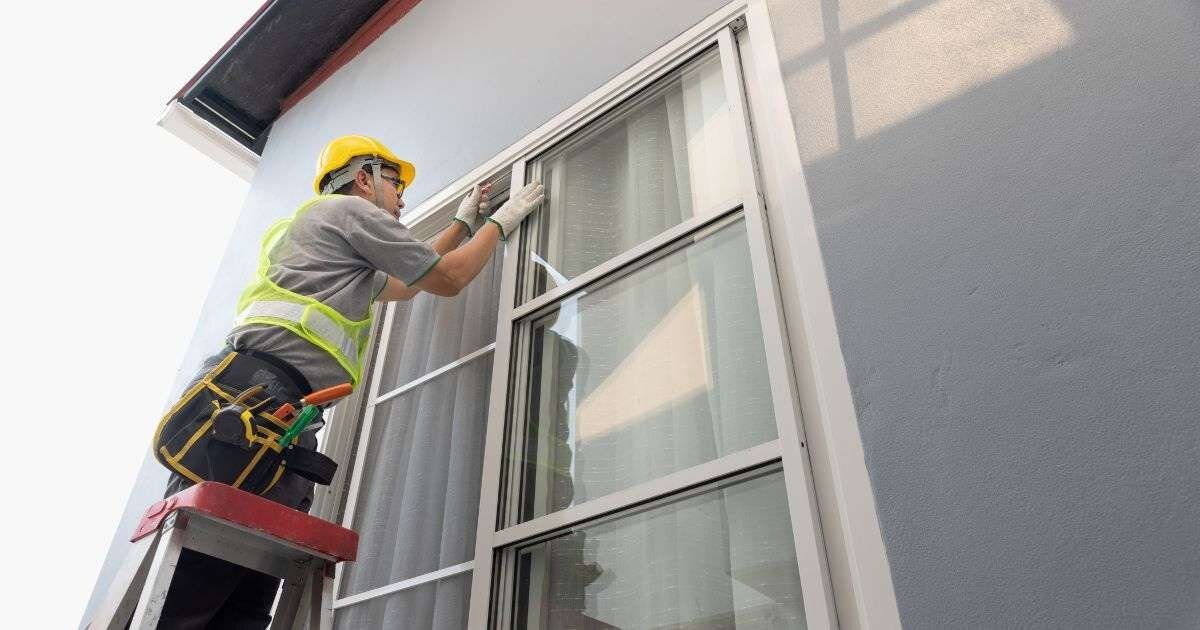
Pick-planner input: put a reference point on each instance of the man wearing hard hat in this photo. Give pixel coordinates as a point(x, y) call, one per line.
point(303, 326)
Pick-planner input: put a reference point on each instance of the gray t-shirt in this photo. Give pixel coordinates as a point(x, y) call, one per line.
point(340, 252)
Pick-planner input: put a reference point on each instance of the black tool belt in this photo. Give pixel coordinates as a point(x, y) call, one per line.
point(222, 428)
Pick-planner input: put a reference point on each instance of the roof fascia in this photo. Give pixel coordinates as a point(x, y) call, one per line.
point(184, 124)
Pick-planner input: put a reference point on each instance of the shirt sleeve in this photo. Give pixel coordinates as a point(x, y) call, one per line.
point(385, 244)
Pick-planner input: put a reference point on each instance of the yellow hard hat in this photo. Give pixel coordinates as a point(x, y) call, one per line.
point(338, 153)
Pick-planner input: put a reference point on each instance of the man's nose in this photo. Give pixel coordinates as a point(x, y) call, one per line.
point(400, 203)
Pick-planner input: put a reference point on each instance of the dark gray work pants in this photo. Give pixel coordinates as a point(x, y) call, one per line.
point(210, 593)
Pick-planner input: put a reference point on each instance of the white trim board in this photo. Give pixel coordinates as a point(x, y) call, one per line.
point(862, 579)
point(202, 135)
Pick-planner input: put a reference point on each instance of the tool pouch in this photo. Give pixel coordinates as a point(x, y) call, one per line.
point(220, 430)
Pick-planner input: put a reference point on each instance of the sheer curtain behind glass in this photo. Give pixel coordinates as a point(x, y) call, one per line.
point(662, 369)
point(629, 178)
point(419, 494)
point(653, 372)
point(720, 559)
point(658, 371)
point(429, 332)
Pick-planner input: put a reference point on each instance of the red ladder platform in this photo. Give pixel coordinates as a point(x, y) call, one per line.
point(236, 526)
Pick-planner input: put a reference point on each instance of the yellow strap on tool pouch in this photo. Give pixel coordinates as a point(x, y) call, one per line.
point(264, 302)
point(182, 439)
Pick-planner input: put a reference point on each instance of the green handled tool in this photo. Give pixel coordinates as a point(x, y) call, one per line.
point(312, 410)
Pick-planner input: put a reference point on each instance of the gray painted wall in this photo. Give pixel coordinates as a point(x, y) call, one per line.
point(1007, 197)
point(449, 86)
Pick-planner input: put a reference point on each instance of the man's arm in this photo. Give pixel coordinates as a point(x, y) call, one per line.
point(395, 290)
point(460, 266)
point(450, 237)
point(447, 240)
point(448, 273)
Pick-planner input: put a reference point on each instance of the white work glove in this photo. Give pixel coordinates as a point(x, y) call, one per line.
point(475, 202)
point(518, 206)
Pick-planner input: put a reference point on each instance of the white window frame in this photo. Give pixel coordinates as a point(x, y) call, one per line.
point(493, 539)
point(850, 563)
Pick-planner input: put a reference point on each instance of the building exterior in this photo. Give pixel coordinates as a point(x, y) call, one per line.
point(839, 313)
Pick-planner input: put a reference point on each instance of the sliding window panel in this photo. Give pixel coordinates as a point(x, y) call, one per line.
point(429, 332)
point(440, 605)
point(650, 373)
point(419, 495)
point(723, 558)
point(651, 164)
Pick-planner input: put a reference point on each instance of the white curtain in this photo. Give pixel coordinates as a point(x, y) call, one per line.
point(419, 496)
point(658, 371)
point(429, 332)
point(729, 564)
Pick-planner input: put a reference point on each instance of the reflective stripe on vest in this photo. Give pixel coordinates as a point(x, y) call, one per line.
point(308, 318)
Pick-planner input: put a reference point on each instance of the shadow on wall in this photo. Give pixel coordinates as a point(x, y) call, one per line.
point(1007, 196)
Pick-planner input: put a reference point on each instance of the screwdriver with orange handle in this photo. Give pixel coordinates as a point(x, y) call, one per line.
point(311, 410)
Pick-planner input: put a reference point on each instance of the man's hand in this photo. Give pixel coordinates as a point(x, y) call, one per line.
point(475, 202)
point(518, 206)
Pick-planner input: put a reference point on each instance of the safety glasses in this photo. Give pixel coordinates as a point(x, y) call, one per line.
point(396, 181)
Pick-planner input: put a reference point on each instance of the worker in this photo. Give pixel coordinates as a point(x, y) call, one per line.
point(302, 325)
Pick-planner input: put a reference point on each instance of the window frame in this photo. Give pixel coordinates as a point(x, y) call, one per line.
point(495, 544)
point(855, 560)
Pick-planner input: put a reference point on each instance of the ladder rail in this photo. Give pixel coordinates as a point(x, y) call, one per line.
point(162, 570)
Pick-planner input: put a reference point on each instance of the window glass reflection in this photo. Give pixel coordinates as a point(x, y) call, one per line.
point(722, 559)
point(655, 372)
point(655, 163)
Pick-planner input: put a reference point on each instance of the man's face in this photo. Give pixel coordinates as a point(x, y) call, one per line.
point(392, 190)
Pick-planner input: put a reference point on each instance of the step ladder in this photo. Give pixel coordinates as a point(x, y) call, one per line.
point(236, 526)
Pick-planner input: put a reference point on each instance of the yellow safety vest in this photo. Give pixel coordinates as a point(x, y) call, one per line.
point(264, 302)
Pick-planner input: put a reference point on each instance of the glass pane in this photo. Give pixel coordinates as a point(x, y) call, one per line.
point(441, 605)
point(419, 499)
point(652, 165)
point(722, 559)
point(429, 332)
point(658, 371)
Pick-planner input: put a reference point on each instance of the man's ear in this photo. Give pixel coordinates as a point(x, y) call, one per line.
point(363, 180)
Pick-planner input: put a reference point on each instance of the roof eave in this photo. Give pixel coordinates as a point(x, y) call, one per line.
point(202, 135)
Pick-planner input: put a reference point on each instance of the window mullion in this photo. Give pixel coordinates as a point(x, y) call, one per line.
point(489, 493)
point(402, 585)
point(810, 555)
point(662, 487)
point(421, 380)
point(605, 269)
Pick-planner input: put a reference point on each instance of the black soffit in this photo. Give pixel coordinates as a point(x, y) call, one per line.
point(241, 90)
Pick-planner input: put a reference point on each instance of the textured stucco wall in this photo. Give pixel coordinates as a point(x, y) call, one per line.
point(449, 86)
point(1007, 195)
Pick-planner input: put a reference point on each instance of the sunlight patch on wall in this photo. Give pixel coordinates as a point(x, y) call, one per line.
point(943, 51)
point(817, 125)
point(853, 13)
